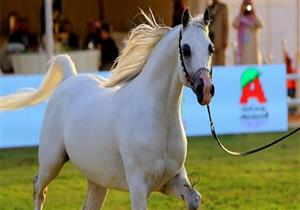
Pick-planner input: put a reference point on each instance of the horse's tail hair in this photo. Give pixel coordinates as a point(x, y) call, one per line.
point(60, 68)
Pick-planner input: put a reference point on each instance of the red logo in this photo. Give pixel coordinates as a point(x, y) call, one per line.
point(251, 87)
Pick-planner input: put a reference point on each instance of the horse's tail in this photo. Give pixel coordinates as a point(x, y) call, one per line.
point(60, 68)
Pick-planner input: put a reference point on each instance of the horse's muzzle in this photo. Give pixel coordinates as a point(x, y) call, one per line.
point(203, 87)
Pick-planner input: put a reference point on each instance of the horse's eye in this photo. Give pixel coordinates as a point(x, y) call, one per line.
point(186, 50)
point(211, 49)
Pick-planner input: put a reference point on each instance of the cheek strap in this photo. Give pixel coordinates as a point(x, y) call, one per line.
point(187, 76)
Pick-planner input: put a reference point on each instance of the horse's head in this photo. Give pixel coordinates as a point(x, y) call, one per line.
point(195, 56)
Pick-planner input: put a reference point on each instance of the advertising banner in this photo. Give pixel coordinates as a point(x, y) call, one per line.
point(248, 99)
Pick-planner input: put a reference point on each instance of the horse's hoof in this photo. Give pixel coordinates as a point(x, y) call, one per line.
point(194, 202)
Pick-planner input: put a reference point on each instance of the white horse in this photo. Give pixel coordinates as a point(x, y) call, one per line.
point(124, 132)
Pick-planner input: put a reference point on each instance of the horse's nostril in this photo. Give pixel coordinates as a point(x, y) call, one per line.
point(212, 90)
point(199, 87)
point(200, 98)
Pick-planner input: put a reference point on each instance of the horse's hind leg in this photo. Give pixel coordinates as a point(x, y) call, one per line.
point(180, 187)
point(95, 198)
point(52, 156)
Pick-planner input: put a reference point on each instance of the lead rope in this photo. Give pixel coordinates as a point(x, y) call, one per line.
point(213, 132)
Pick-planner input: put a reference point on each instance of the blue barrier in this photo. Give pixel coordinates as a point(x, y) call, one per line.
point(22, 127)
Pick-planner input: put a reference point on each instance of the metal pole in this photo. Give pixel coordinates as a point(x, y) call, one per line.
point(49, 29)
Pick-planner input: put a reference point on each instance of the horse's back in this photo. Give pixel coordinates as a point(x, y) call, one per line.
point(77, 100)
point(62, 100)
point(67, 92)
point(82, 112)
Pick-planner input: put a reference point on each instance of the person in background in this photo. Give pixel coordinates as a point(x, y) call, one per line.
point(68, 38)
point(11, 22)
point(93, 38)
point(177, 12)
point(57, 16)
point(248, 24)
point(298, 59)
point(23, 35)
point(291, 84)
point(109, 50)
point(218, 30)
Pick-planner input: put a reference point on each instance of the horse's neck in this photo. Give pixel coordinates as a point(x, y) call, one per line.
point(159, 77)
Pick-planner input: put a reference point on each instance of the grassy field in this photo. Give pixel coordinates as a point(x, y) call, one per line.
point(266, 181)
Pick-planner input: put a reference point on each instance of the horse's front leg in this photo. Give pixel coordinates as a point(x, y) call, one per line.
point(139, 191)
point(180, 187)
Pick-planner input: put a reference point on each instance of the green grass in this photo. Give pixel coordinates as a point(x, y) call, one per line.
point(269, 180)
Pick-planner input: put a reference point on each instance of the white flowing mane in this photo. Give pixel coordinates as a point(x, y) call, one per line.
point(140, 43)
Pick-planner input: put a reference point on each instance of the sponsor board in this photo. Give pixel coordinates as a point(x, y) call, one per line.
point(248, 99)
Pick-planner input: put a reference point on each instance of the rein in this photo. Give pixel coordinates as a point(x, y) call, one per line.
point(212, 127)
point(213, 132)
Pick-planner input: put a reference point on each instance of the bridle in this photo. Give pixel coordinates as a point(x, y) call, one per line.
point(186, 74)
point(191, 80)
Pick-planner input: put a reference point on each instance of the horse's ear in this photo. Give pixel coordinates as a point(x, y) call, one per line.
point(206, 19)
point(185, 19)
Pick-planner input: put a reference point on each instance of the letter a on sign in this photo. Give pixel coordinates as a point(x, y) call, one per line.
point(253, 90)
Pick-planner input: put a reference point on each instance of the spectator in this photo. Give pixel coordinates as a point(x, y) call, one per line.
point(68, 38)
point(57, 15)
point(218, 30)
point(177, 12)
point(109, 50)
point(247, 24)
point(5, 60)
point(12, 20)
point(93, 38)
point(291, 84)
point(298, 59)
point(23, 35)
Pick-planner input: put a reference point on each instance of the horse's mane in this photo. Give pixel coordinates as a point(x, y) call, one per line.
point(140, 43)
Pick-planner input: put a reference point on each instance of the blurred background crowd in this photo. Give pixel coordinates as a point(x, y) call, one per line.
point(243, 31)
point(24, 32)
